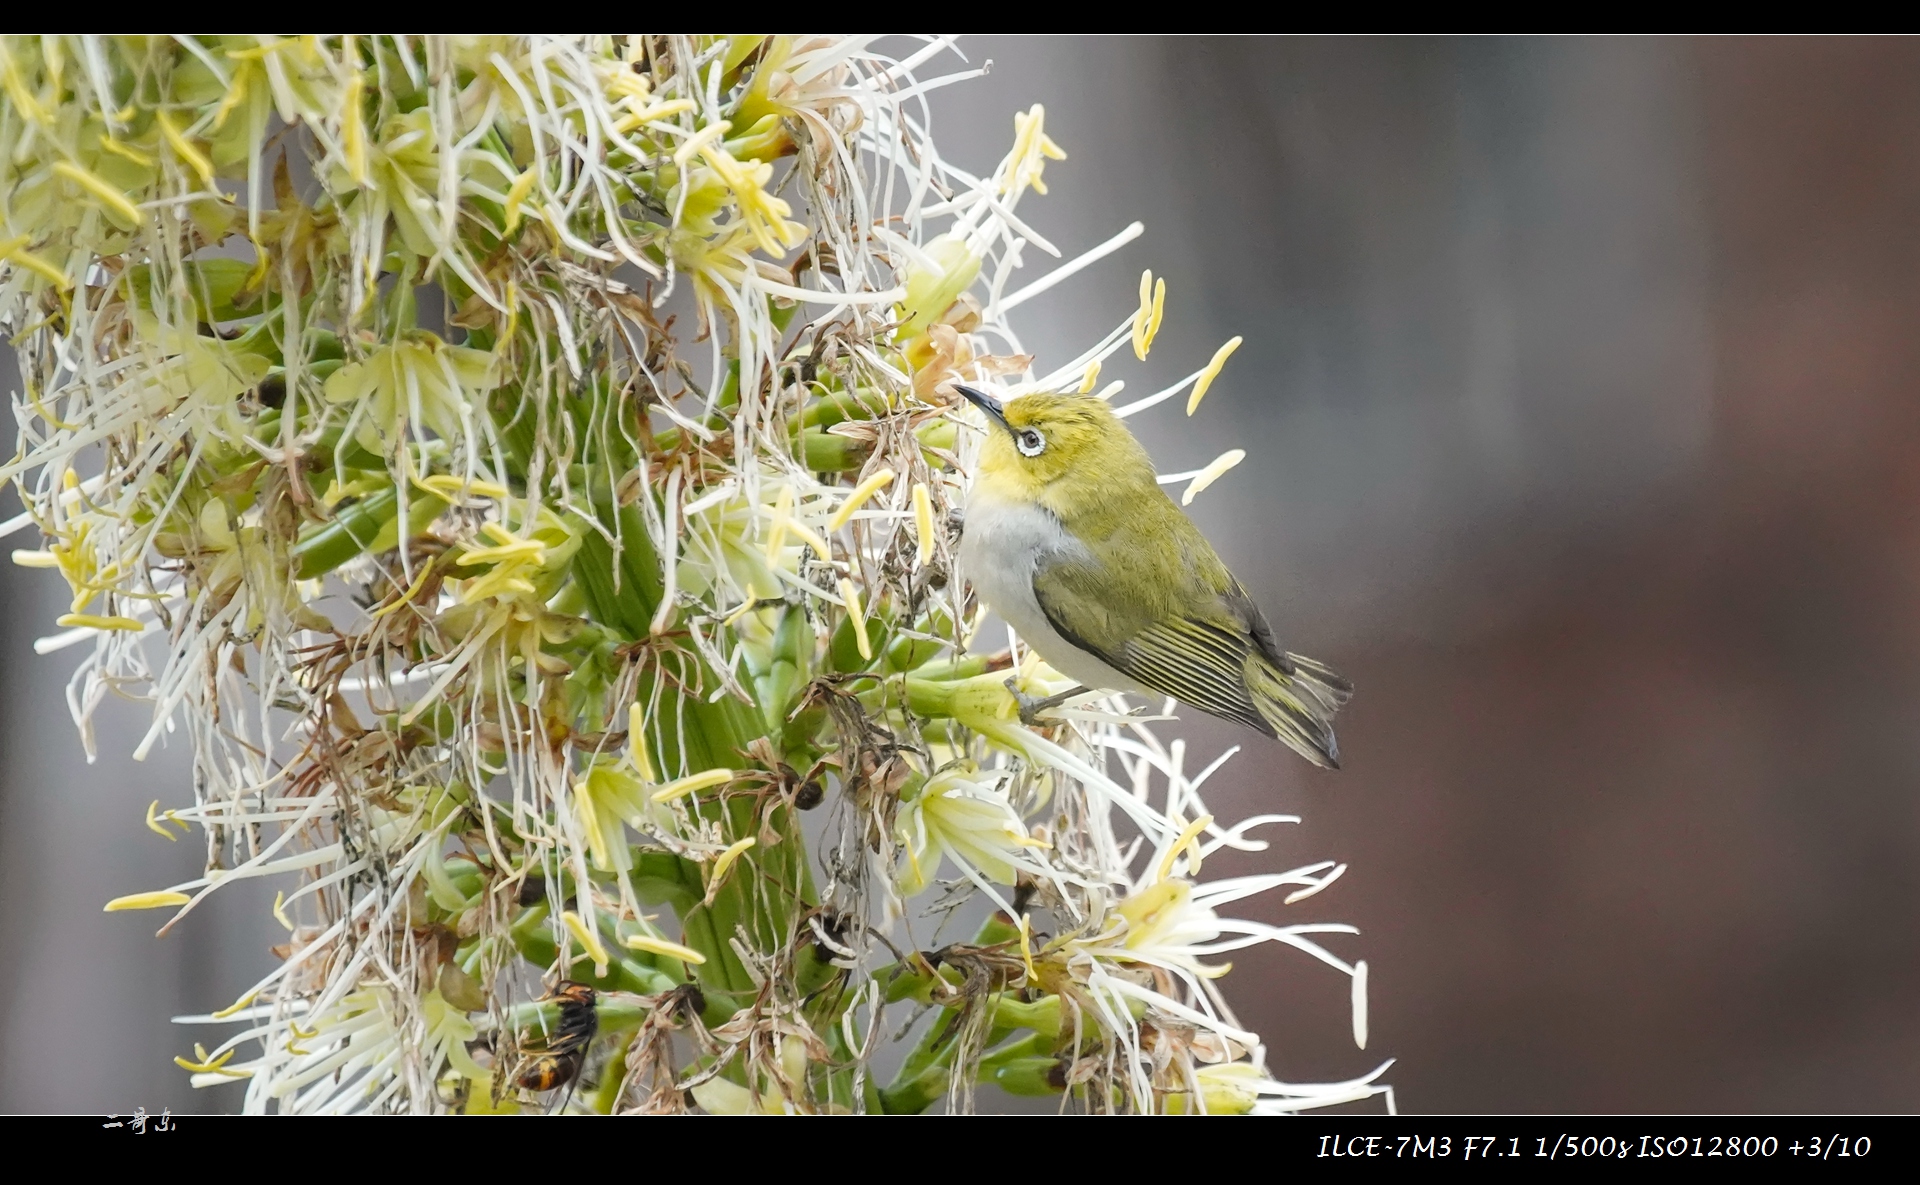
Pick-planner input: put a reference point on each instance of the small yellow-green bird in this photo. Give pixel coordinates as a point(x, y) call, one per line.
point(1069, 537)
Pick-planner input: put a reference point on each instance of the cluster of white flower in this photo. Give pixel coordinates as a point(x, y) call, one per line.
point(510, 636)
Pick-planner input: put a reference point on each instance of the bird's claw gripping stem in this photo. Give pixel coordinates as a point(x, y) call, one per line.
point(1030, 707)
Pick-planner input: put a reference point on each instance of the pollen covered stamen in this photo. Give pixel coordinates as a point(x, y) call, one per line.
point(589, 941)
point(1211, 373)
point(1212, 473)
point(1092, 378)
point(923, 523)
point(858, 498)
point(159, 899)
point(648, 944)
point(637, 743)
point(1187, 843)
point(850, 597)
point(692, 784)
point(1146, 322)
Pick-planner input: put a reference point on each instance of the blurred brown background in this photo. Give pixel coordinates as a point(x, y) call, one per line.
point(1579, 397)
point(1579, 393)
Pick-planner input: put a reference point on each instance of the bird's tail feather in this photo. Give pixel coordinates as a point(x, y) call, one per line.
point(1300, 707)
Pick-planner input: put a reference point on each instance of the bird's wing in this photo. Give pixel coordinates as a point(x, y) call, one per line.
point(1200, 663)
point(1254, 622)
point(1328, 689)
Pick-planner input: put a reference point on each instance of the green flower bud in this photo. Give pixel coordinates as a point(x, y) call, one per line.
point(931, 291)
point(1030, 1076)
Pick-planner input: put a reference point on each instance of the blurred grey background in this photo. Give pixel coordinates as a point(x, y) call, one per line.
point(1579, 400)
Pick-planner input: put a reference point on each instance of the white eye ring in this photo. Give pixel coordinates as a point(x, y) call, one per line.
point(1029, 442)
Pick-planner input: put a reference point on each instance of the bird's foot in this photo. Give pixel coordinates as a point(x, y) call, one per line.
point(1031, 707)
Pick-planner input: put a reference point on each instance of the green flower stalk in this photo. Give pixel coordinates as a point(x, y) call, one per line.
point(519, 470)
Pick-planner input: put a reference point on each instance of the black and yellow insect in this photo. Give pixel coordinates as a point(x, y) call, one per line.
point(559, 1060)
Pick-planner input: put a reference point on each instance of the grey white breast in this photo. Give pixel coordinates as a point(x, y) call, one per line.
point(1001, 546)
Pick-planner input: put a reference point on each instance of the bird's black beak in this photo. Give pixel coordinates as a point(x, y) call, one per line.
point(996, 411)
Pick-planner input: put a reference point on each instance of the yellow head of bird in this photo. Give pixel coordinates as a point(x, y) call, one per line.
point(1045, 438)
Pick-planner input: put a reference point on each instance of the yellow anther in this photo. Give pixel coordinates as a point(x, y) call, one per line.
point(154, 824)
point(499, 534)
point(637, 743)
point(784, 523)
point(749, 606)
point(812, 540)
point(340, 491)
point(1211, 474)
point(494, 584)
point(631, 88)
point(513, 320)
point(692, 784)
point(764, 215)
point(660, 946)
point(1189, 843)
point(55, 60)
point(1146, 322)
point(645, 115)
point(16, 87)
point(1032, 149)
point(851, 596)
point(517, 195)
point(94, 621)
point(405, 598)
point(15, 251)
point(183, 148)
point(236, 94)
point(159, 899)
point(700, 140)
point(583, 806)
point(207, 1063)
point(280, 911)
point(1092, 378)
point(588, 940)
point(913, 865)
point(734, 851)
point(243, 1002)
point(108, 195)
point(451, 488)
point(125, 151)
point(257, 275)
point(1211, 373)
point(254, 53)
point(923, 522)
point(777, 529)
point(858, 498)
point(519, 549)
point(1026, 944)
point(353, 132)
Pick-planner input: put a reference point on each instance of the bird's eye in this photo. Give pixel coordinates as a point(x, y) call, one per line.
point(1030, 443)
